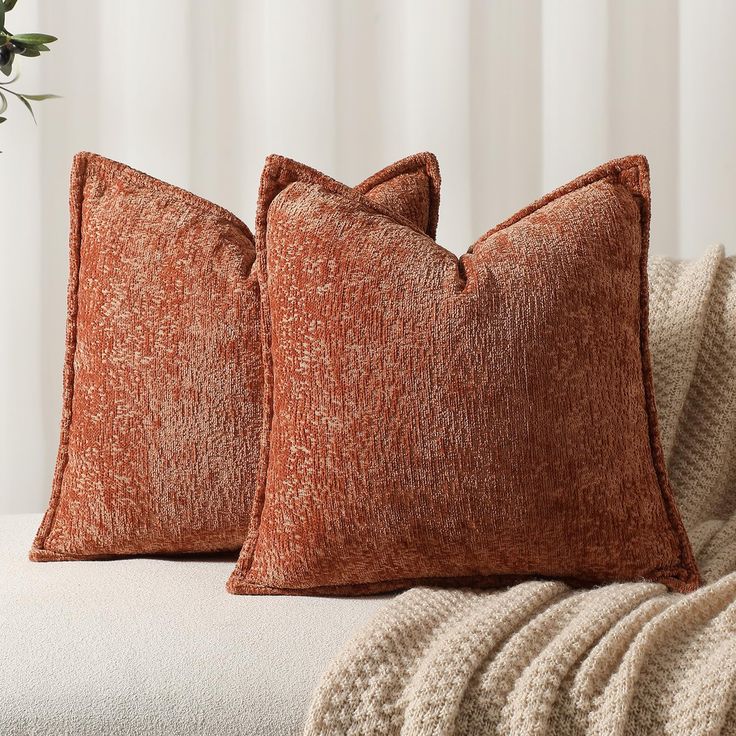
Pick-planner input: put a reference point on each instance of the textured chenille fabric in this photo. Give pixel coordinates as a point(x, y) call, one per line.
point(443, 421)
point(163, 384)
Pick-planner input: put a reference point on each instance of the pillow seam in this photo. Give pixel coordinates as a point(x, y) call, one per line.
point(421, 162)
point(109, 170)
point(688, 569)
point(80, 178)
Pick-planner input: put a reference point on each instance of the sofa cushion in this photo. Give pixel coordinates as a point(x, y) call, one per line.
point(152, 646)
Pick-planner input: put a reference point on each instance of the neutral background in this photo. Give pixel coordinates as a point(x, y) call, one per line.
point(514, 97)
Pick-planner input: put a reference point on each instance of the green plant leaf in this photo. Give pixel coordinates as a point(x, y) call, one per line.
point(40, 98)
point(9, 5)
point(28, 51)
point(2, 120)
point(2, 15)
point(28, 107)
point(3, 103)
point(7, 70)
point(33, 39)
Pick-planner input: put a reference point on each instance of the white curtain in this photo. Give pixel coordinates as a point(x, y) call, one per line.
point(514, 97)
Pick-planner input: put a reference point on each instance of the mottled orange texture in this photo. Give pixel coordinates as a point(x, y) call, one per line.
point(477, 421)
point(163, 379)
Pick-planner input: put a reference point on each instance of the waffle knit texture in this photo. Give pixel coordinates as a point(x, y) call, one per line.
point(540, 658)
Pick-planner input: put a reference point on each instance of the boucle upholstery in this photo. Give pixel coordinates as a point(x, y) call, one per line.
point(457, 422)
point(619, 660)
point(155, 647)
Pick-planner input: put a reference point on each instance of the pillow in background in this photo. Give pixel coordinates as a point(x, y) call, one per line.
point(163, 373)
point(477, 421)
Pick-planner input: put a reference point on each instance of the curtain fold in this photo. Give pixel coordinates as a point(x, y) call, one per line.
point(514, 98)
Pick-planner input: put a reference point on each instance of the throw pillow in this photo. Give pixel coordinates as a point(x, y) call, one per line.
point(471, 421)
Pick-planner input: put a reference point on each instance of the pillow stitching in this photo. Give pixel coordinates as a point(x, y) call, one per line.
point(79, 177)
point(421, 161)
point(109, 169)
point(688, 568)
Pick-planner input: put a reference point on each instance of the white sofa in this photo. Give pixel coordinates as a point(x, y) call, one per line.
point(155, 646)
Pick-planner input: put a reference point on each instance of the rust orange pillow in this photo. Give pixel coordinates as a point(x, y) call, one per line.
point(472, 421)
point(163, 373)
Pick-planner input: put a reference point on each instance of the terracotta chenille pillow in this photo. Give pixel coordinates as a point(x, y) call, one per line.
point(472, 421)
point(163, 384)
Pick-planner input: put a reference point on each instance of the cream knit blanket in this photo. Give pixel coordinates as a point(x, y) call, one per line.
point(540, 658)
